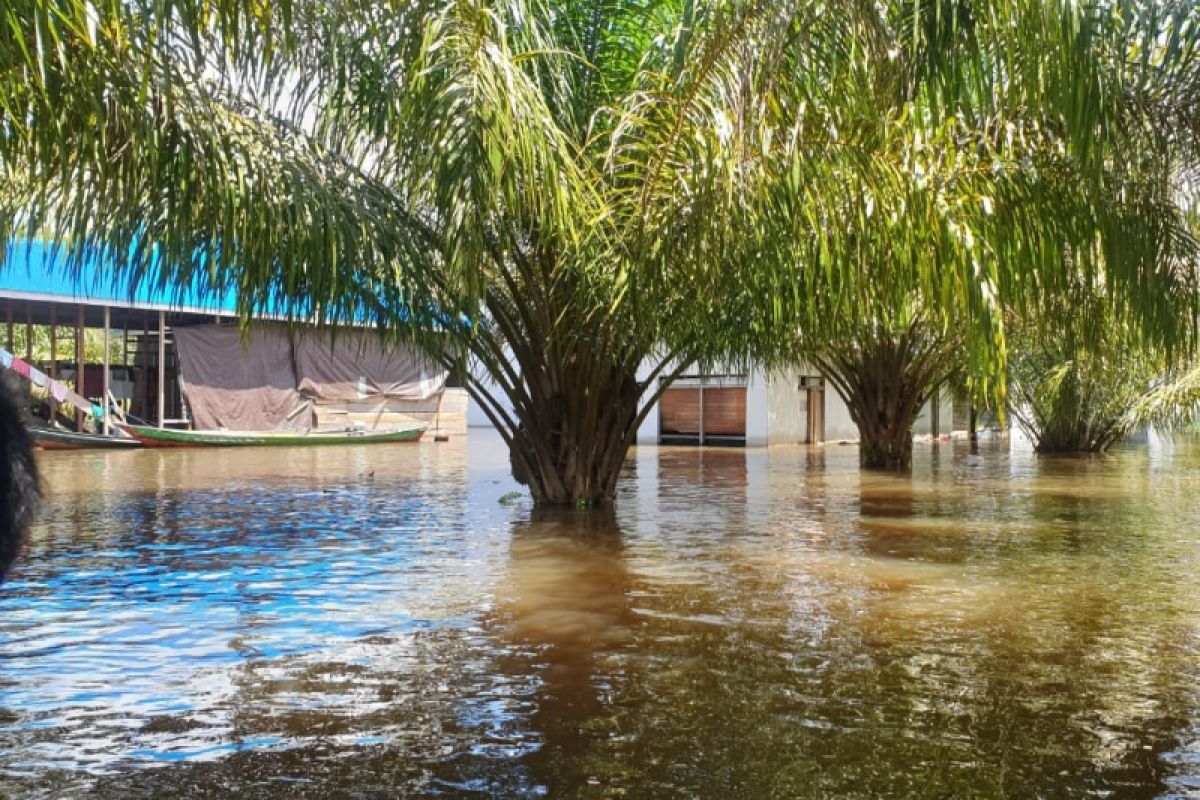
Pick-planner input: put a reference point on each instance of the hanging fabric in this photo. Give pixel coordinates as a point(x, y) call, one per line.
point(56, 389)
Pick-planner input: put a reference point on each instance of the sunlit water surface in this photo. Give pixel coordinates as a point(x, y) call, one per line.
point(372, 622)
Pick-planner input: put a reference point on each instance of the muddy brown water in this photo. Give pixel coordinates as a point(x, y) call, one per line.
point(372, 622)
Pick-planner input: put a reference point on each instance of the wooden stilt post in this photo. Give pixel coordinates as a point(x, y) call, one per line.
point(80, 371)
point(51, 403)
point(438, 435)
point(104, 394)
point(8, 324)
point(144, 368)
point(28, 334)
point(162, 368)
point(54, 342)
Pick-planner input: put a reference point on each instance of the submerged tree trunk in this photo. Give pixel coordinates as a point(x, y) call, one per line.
point(573, 398)
point(884, 379)
point(1066, 412)
point(561, 372)
point(569, 445)
point(886, 443)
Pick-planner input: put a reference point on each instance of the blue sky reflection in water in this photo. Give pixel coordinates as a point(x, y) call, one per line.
point(371, 622)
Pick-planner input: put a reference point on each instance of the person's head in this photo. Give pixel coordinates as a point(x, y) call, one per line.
point(19, 491)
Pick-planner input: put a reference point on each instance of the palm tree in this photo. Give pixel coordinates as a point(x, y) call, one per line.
point(1083, 378)
point(989, 186)
point(552, 195)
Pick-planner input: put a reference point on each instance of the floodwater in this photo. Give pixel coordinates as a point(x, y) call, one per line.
point(373, 622)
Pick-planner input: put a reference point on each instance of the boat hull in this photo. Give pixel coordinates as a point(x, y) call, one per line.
point(52, 439)
point(165, 437)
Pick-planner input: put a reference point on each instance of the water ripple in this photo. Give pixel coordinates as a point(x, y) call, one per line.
point(372, 622)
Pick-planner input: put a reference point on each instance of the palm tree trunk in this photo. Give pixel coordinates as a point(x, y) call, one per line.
point(884, 380)
point(569, 446)
point(886, 447)
point(885, 405)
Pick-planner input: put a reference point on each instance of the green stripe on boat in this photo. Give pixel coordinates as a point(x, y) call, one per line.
point(166, 437)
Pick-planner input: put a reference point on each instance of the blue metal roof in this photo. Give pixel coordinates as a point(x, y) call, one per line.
point(38, 270)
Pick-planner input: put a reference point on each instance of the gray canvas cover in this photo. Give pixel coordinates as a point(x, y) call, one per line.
point(236, 387)
point(361, 365)
point(270, 381)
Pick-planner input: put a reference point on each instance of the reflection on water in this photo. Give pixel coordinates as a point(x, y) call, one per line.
point(371, 622)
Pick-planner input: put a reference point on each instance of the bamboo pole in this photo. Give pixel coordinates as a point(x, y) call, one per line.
point(8, 323)
point(162, 368)
point(28, 334)
point(104, 394)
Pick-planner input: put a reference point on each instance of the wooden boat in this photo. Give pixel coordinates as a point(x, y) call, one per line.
point(55, 439)
point(166, 437)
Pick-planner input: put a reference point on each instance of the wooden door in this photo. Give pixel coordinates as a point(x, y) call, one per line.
point(816, 414)
point(679, 412)
point(698, 414)
point(725, 411)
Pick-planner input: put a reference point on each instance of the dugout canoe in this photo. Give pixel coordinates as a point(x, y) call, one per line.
point(167, 437)
point(55, 439)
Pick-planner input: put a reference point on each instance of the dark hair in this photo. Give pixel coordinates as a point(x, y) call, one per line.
point(19, 492)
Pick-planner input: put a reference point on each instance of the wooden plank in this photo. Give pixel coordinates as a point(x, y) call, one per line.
point(372, 406)
point(371, 420)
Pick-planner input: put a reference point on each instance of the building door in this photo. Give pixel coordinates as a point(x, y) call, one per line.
point(813, 390)
point(706, 410)
point(679, 415)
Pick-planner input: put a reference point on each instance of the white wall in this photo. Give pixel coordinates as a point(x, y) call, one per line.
point(924, 424)
point(757, 409)
point(838, 425)
point(787, 408)
point(648, 430)
point(772, 410)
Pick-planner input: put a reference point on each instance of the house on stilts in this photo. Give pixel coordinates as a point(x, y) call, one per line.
point(178, 358)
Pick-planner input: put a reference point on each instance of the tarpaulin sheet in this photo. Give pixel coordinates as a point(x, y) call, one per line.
point(244, 388)
point(360, 365)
